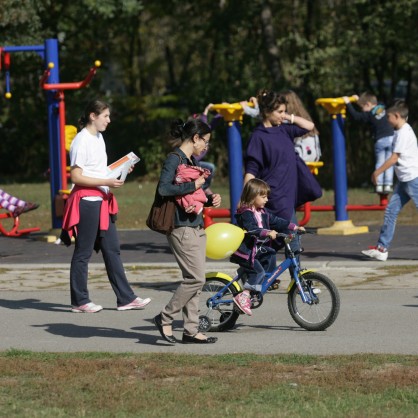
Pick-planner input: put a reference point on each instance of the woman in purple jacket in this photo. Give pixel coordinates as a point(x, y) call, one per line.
point(271, 154)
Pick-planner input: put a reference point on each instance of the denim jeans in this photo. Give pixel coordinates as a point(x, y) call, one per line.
point(403, 193)
point(265, 262)
point(383, 150)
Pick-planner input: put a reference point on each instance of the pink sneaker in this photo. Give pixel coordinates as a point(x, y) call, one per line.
point(87, 308)
point(243, 301)
point(137, 303)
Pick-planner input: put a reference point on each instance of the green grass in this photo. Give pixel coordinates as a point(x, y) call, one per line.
point(170, 385)
point(136, 196)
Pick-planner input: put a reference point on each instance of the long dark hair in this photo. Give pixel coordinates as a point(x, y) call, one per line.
point(96, 107)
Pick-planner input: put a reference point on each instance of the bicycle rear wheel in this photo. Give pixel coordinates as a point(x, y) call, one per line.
point(323, 311)
point(223, 316)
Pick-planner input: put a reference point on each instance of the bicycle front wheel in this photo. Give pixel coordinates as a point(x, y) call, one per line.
point(223, 315)
point(325, 307)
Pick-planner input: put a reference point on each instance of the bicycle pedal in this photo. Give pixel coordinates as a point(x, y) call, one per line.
point(275, 285)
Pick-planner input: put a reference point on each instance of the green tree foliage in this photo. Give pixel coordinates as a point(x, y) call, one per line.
point(164, 59)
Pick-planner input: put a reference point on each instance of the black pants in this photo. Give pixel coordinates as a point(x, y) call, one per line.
point(88, 230)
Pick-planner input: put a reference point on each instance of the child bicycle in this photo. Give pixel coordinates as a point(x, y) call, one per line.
point(313, 299)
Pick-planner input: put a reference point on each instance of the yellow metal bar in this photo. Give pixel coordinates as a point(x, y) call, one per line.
point(231, 112)
point(334, 106)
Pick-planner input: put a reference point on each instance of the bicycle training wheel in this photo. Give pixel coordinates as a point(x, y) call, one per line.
point(323, 311)
point(223, 316)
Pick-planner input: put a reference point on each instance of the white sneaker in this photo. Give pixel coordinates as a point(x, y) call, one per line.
point(387, 189)
point(87, 308)
point(379, 188)
point(137, 303)
point(376, 254)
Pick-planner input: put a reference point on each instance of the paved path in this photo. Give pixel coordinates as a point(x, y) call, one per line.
point(150, 247)
point(370, 321)
point(379, 301)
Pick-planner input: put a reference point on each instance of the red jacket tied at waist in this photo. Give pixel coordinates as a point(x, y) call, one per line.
point(72, 207)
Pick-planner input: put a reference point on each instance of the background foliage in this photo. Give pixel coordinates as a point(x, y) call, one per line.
point(164, 59)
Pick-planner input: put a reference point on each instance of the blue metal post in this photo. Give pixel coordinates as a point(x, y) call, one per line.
point(340, 169)
point(51, 55)
point(235, 165)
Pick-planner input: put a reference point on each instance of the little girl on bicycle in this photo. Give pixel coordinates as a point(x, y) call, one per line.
point(255, 253)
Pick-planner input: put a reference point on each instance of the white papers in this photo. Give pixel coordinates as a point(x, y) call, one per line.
point(120, 168)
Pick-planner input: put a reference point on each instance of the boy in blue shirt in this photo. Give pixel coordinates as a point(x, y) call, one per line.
point(374, 114)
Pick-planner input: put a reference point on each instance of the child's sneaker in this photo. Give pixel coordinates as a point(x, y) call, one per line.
point(379, 188)
point(87, 308)
point(377, 253)
point(243, 301)
point(387, 188)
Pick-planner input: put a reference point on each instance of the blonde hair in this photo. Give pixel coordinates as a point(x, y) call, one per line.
point(367, 97)
point(295, 106)
point(252, 189)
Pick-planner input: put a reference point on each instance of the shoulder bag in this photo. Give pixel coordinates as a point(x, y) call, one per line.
point(161, 216)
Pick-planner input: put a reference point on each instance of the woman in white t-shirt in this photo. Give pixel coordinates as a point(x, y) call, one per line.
point(90, 214)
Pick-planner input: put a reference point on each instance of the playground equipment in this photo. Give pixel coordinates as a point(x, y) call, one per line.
point(14, 230)
point(232, 114)
point(336, 107)
point(56, 112)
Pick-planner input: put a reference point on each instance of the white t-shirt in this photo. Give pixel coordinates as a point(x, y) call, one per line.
point(405, 144)
point(88, 152)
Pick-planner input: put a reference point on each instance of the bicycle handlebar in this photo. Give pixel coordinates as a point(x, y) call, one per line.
point(283, 235)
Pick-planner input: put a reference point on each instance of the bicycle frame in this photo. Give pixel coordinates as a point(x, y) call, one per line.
point(270, 278)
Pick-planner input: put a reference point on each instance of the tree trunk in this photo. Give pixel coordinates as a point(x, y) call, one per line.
point(272, 50)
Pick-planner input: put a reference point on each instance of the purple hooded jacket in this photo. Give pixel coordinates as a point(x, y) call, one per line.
point(271, 157)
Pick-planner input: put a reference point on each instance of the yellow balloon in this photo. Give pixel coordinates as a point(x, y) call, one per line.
point(222, 240)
